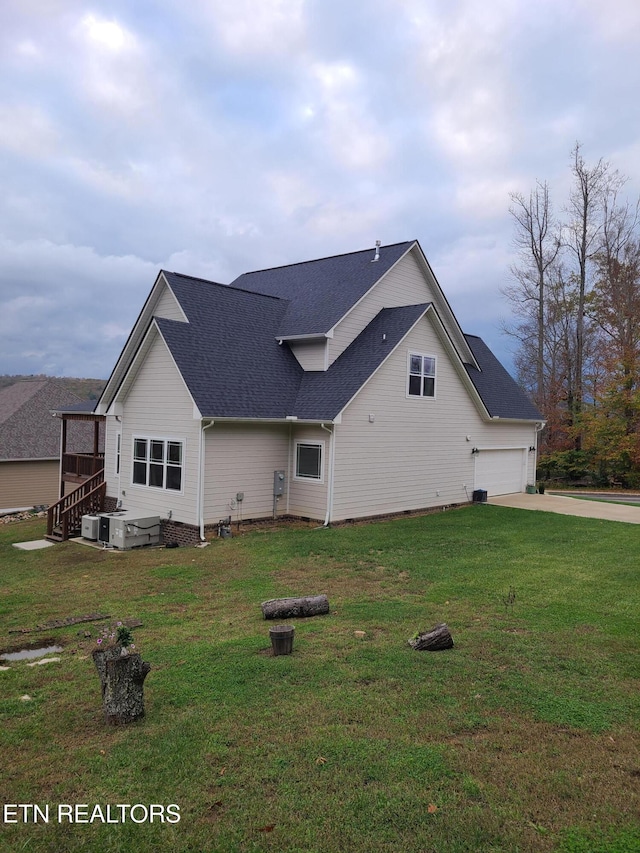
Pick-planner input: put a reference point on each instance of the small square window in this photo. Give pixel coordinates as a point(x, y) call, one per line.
point(309, 461)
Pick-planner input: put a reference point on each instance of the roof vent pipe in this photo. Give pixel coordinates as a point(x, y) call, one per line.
point(377, 254)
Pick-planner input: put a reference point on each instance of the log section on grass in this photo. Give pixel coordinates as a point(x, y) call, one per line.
point(433, 641)
point(291, 608)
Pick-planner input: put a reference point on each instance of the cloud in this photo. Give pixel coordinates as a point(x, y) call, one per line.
point(215, 137)
point(28, 131)
point(253, 31)
point(56, 293)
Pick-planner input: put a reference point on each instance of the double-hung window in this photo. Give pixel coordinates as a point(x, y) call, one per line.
point(421, 379)
point(157, 462)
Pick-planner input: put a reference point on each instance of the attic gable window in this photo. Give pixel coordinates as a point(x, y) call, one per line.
point(421, 379)
point(157, 462)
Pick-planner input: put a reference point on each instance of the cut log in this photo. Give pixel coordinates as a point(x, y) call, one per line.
point(122, 678)
point(292, 608)
point(433, 641)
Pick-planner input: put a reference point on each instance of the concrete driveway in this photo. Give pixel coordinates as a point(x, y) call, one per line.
point(570, 506)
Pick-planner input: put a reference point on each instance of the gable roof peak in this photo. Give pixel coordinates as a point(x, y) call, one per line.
point(340, 255)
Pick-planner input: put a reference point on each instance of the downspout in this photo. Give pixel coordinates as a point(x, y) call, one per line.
point(120, 435)
point(201, 480)
point(538, 429)
point(332, 445)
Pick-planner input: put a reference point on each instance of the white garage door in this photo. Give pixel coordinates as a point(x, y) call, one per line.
point(500, 472)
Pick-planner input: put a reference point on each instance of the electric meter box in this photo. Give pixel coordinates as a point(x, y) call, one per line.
point(278, 483)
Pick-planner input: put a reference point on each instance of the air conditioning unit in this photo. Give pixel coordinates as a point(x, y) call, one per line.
point(130, 529)
point(104, 526)
point(90, 527)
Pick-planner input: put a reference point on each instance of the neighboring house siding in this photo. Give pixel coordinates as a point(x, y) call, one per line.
point(311, 356)
point(243, 458)
point(309, 498)
point(29, 483)
point(403, 285)
point(157, 405)
point(415, 454)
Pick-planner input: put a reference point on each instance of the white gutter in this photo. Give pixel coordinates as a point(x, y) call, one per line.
point(332, 457)
point(201, 480)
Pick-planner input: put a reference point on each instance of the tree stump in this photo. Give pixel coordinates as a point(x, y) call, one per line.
point(122, 678)
point(433, 641)
point(291, 608)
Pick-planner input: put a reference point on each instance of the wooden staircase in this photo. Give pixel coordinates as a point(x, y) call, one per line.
point(64, 518)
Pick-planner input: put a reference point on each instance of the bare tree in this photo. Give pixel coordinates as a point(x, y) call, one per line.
point(538, 244)
point(582, 234)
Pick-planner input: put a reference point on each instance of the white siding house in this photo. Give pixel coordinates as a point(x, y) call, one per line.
point(350, 376)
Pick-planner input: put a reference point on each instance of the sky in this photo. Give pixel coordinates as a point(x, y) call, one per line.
point(215, 137)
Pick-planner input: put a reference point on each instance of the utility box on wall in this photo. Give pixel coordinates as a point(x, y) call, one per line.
point(278, 483)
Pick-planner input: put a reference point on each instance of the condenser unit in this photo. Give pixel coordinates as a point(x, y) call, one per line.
point(133, 529)
point(90, 527)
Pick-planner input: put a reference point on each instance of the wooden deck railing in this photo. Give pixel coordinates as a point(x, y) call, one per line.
point(82, 464)
point(64, 518)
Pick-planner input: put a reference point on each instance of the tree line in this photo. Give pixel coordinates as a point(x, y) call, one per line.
point(575, 299)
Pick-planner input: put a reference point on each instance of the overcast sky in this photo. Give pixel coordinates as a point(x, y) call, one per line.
point(214, 137)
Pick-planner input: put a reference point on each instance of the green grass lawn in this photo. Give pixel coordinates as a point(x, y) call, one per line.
point(523, 737)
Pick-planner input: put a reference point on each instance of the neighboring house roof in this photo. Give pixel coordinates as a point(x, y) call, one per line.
point(321, 292)
point(84, 407)
point(28, 429)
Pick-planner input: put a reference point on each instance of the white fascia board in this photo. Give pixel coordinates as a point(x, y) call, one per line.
point(331, 331)
point(443, 334)
point(454, 355)
point(131, 347)
point(384, 361)
point(197, 416)
point(496, 419)
point(312, 336)
point(285, 421)
point(444, 309)
point(134, 365)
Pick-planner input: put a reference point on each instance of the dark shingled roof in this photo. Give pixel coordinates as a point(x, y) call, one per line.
point(321, 292)
point(500, 393)
point(230, 359)
point(228, 353)
point(325, 394)
point(234, 367)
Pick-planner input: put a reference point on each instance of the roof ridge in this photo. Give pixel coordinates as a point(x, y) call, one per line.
point(228, 286)
point(326, 258)
point(193, 277)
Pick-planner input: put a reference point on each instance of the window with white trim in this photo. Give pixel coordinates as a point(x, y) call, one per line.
point(118, 450)
point(421, 378)
point(309, 460)
point(157, 462)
